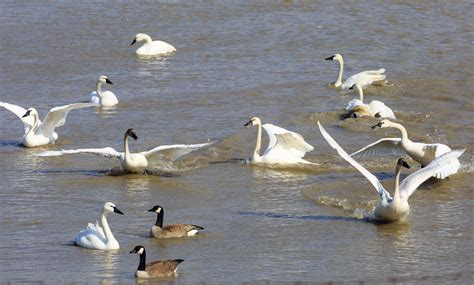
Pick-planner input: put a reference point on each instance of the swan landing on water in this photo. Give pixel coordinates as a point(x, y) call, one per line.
point(136, 162)
point(39, 133)
point(395, 208)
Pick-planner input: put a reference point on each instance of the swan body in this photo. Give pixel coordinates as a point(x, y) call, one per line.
point(284, 147)
point(39, 133)
point(377, 109)
point(136, 162)
point(161, 268)
point(395, 208)
point(97, 237)
point(363, 79)
point(173, 230)
point(422, 153)
point(151, 47)
point(103, 98)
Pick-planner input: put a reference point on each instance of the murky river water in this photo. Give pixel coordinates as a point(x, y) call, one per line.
point(234, 60)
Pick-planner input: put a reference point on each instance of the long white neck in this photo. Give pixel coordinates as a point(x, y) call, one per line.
point(339, 75)
point(125, 146)
point(256, 152)
point(396, 194)
point(105, 226)
point(361, 93)
point(98, 87)
point(147, 39)
point(402, 130)
point(35, 125)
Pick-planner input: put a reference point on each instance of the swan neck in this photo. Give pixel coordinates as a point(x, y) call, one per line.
point(142, 264)
point(361, 93)
point(105, 225)
point(339, 75)
point(396, 194)
point(402, 130)
point(147, 39)
point(35, 125)
point(98, 87)
point(125, 147)
point(256, 152)
point(159, 219)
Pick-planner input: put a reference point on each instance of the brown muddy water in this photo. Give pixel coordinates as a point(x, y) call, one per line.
point(235, 60)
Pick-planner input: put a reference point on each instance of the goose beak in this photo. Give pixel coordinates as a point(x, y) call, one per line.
point(330, 58)
point(132, 251)
point(134, 41)
point(116, 210)
point(248, 124)
point(151, 210)
point(108, 81)
point(379, 125)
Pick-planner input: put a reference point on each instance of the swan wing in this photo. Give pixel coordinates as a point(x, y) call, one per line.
point(285, 140)
point(106, 152)
point(372, 179)
point(57, 116)
point(171, 152)
point(412, 181)
point(354, 103)
point(385, 146)
point(96, 228)
point(364, 78)
point(19, 112)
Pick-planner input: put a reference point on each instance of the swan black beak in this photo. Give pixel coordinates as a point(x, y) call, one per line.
point(379, 125)
point(402, 162)
point(108, 81)
point(116, 210)
point(26, 114)
point(352, 87)
point(248, 124)
point(134, 41)
point(330, 58)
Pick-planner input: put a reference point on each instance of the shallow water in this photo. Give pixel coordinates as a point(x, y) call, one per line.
point(233, 61)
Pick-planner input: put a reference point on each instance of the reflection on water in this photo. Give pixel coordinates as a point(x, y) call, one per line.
point(136, 184)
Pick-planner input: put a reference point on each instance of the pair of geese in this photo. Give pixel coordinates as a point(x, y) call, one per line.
point(100, 237)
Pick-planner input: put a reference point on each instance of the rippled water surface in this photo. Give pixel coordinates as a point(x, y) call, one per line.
point(235, 60)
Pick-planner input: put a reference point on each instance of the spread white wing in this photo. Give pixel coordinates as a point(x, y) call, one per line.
point(171, 152)
point(372, 179)
point(284, 140)
point(385, 146)
point(106, 152)
point(19, 112)
point(411, 183)
point(57, 117)
point(364, 78)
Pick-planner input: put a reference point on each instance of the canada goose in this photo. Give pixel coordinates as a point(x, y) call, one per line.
point(103, 98)
point(160, 268)
point(173, 230)
point(151, 47)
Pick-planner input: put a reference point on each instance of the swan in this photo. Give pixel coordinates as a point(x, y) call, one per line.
point(173, 230)
point(397, 208)
point(39, 133)
point(284, 147)
point(377, 109)
point(151, 47)
point(364, 78)
point(97, 237)
point(160, 268)
point(103, 98)
point(136, 162)
point(422, 153)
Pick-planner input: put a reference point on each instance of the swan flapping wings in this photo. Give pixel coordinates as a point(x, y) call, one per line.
point(284, 140)
point(56, 117)
point(19, 112)
point(385, 146)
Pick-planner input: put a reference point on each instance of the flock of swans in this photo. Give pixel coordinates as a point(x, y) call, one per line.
point(284, 148)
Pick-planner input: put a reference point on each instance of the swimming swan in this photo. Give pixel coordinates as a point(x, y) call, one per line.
point(364, 78)
point(103, 98)
point(377, 109)
point(284, 147)
point(160, 268)
point(173, 230)
point(423, 153)
point(397, 208)
point(39, 133)
point(97, 237)
point(136, 162)
point(152, 47)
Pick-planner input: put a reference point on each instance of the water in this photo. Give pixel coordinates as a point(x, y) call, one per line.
point(233, 61)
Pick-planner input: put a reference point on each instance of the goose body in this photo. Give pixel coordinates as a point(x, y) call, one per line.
point(363, 79)
point(38, 133)
point(284, 147)
point(103, 98)
point(136, 162)
point(422, 153)
point(377, 109)
point(173, 230)
point(161, 268)
point(96, 236)
point(395, 208)
point(151, 47)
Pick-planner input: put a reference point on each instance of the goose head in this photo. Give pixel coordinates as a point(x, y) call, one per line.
point(104, 79)
point(140, 37)
point(131, 133)
point(382, 124)
point(110, 207)
point(403, 163)
point(138, 249)
point(156, 209)
point(335, 57)
point(30, 112)
point(253, 122)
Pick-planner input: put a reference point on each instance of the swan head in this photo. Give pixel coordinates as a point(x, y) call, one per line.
point(110, 207)
point(403, 163)
point(30, 112)
point(335, 57)
point(140, 249)
point(382, 124)
point(104, 79)
point(140, 37)
point(359, 111)
point(157, 209)
point(253, 122)
point(131, 133)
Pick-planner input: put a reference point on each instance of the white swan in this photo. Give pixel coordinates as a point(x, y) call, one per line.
point(152, 47)
point(136, 162)
point(97, 237)
point(364, 78)
point(397, 208)
point(377, 109)
point(103, 98)
point(284, 147)
point(39, 133)
point(423, 153)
